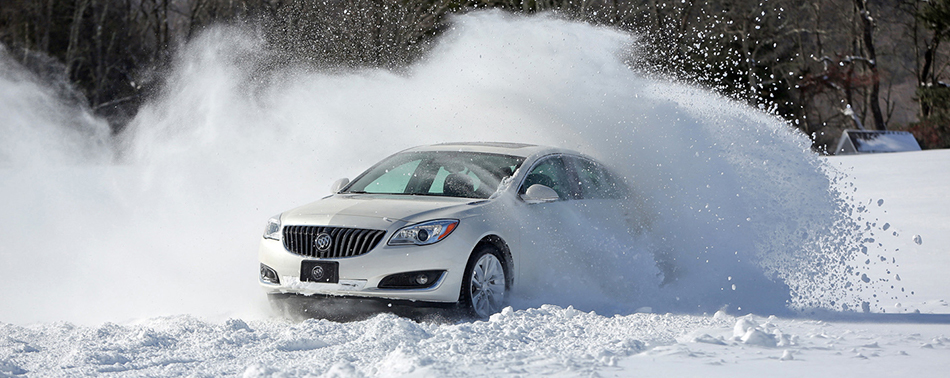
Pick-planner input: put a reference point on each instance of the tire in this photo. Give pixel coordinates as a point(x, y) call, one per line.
point(486, 283)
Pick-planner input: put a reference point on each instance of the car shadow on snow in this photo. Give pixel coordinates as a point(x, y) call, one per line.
point(351, 309)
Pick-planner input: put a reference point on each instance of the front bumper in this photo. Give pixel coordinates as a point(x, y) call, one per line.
point(359, 276)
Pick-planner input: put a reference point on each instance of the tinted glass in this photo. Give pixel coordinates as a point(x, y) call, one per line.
point(394, 179)
point(552, 173)
point(596, 181)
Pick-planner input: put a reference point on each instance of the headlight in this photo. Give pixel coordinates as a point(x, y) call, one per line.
point(424, 233)
point(273, 228)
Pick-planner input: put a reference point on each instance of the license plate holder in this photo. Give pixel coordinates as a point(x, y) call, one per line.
point(320, 271)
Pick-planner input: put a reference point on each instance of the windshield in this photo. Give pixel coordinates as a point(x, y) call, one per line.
point(450, 174)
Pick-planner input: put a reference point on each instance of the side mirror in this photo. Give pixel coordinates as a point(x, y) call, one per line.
point(338, 185)
point(538, 193)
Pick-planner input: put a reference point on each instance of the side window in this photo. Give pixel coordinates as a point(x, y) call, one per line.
point(551, 173)
point(595, 181)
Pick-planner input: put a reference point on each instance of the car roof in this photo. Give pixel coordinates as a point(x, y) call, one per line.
point(503, 148)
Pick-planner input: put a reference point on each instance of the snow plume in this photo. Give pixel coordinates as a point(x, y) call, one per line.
point(38, 124)
point(731, 208)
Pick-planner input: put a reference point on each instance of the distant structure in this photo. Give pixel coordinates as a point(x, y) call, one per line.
point(864, 141)
point(873, 141)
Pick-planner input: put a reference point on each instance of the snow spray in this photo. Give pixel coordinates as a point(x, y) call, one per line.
point(732, 208)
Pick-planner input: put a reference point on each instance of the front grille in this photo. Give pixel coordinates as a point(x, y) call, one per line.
point(345, 242)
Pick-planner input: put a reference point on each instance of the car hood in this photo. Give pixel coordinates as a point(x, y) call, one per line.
point(378, 211)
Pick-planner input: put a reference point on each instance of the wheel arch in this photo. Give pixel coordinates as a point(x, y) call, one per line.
point(500, 244)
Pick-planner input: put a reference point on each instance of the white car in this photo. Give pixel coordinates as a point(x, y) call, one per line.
point(439, 224)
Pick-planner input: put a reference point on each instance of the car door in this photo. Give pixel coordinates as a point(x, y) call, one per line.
point(544, 227)
point(599, 192)
point(607, 196)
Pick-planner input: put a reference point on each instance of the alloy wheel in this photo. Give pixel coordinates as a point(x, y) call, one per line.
point(488, 285)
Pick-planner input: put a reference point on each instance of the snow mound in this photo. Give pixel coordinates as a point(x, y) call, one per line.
point(549, 340)
point(544, 340)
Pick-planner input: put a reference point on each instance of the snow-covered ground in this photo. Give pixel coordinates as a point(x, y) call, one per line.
point(543, 341)
point(551, 340)
point(913, 191)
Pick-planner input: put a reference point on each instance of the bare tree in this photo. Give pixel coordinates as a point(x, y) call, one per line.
point(867, 33)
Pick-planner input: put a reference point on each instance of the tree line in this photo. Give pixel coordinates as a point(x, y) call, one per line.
point(824, 65)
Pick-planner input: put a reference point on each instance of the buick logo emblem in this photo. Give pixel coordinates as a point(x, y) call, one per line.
point(323, 242)
point(317, 272)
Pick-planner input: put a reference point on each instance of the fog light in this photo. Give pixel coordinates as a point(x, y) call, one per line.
point(269, 275)
point(411, 280)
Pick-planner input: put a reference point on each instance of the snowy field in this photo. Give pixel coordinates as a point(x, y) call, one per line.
point(135, 254)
